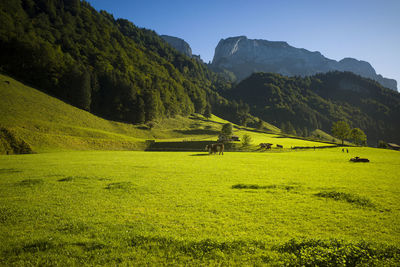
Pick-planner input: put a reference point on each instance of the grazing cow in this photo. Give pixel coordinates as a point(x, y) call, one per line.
point(7, 82)
point(358, 159)
point(266, 145)
point(279, 146)
point(214, 148)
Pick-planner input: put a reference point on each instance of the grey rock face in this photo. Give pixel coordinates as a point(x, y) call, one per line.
point(244, 56)
point(179, 44)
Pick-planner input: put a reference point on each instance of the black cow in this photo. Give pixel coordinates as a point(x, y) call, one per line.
point(279, 146)
point(358, 159)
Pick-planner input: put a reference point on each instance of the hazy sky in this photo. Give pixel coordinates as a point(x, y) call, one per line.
point(363, 29)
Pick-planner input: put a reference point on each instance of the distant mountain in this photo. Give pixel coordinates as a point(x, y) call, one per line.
point(317, 101)
point(179, 44)
point(243, 56)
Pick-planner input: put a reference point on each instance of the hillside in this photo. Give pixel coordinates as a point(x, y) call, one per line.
point(48, 124)
point(107, 66)
point(316, 102)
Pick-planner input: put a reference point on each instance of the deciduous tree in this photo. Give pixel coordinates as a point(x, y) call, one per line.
point(341, 130)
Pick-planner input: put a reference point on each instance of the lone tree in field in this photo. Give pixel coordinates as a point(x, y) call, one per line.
point(341, 130)
point(358, 136)
point(227, 130)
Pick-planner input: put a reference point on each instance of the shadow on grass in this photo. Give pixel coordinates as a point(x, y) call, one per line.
point(125, 186)
point(66, 179)
point(199, 155)
point(256, 186)
point(9, 170)
point(353, 199)
point(30, 182)
point(198, 132)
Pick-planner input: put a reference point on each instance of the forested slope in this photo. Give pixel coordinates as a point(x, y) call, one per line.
point(316, 102)
point(101, 64)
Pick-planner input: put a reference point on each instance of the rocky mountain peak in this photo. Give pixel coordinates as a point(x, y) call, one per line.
point(243, 56)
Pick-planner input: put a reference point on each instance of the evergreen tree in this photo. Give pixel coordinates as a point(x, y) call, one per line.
point(207, 111)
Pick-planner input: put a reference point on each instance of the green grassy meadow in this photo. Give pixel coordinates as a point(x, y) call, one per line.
point(187, 208)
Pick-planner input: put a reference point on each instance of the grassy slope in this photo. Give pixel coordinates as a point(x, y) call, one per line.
point(49, 124)
point(167, 208)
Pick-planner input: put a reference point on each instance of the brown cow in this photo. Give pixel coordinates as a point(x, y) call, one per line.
point(214, 148)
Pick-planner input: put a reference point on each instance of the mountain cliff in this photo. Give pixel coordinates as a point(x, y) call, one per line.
point(244, 56)
point(179, 44)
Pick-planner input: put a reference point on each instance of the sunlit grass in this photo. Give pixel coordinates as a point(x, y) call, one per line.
point(180, 207)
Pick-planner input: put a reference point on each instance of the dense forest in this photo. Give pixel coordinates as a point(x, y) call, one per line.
point(104, 65)
point(307, 103)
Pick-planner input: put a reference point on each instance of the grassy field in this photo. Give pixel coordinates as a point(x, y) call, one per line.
point(185, 208)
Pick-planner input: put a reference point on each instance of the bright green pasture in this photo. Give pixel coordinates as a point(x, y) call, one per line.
point(156, 208)
point(286, 142)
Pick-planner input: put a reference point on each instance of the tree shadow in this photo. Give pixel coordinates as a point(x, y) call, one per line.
point(197, 132)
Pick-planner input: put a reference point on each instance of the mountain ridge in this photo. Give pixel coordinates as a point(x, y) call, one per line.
point(243, 56)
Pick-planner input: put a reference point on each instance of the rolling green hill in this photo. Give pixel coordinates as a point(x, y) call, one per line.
point(49, 124)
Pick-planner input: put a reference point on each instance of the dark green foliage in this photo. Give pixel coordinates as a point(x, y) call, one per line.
point(317, 101)
point(358, 136)
point(346, 197)
point(246, 140)
point(341, 130)
point(207, 111)
point(288, 128)
point(106, 66)
point(337, 253)
point(10, 144)
point(227, 130)
point(382, 144)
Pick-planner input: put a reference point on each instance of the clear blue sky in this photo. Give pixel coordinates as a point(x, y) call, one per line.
point(363, 29)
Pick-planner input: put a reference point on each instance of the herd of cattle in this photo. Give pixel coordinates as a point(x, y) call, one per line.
point(219, 148)
point(269, 145)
